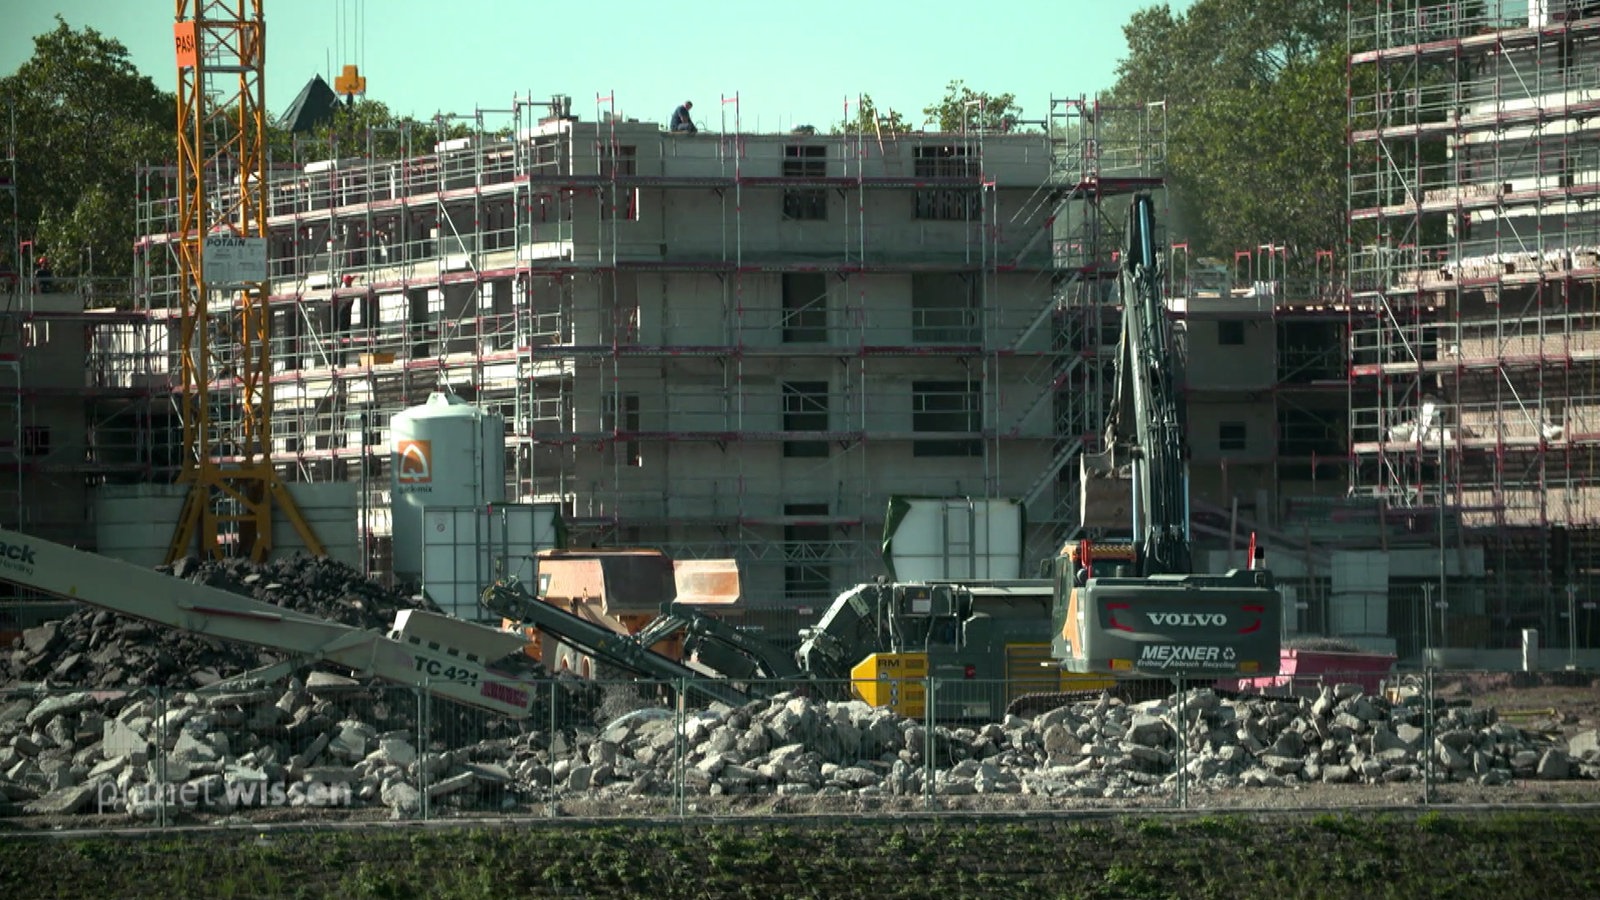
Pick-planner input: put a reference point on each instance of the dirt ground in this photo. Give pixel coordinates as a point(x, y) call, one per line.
point(1552, 703)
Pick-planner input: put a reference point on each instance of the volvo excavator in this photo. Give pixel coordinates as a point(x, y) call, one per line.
point(1127, 614)
point(1144, 613)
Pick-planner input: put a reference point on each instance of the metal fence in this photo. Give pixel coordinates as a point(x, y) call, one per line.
point(327, 749)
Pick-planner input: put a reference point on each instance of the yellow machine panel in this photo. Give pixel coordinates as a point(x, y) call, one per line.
point(894, 681)
point(1030, 669)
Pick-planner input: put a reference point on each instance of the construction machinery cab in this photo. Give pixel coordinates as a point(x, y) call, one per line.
point(1087, 559)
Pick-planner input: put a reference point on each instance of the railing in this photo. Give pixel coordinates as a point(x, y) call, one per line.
point(1380, 23)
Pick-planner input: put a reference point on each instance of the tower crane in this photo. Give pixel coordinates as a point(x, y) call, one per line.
point(222, 229)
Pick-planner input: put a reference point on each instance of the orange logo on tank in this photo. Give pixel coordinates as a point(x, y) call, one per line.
point(415, 465)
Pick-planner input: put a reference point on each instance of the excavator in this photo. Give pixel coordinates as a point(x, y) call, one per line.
point(1139, 611)
point(1124, 614)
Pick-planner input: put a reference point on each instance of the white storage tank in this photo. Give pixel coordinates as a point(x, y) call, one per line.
point(446, 452)
point(937, 538)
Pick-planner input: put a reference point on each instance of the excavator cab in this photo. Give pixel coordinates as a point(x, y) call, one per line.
point(1098, 559)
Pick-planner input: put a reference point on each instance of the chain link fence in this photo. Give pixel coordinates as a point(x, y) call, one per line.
point(327, 749)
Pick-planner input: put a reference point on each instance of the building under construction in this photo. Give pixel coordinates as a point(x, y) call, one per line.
point(724, 344)
point(741, 344)
point(1475, 378)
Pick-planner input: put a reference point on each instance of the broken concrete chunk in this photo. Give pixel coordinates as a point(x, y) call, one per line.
point(65, 801)
point(403, 800)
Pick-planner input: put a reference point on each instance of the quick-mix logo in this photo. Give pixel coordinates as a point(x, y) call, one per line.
point(16, 557)
point(1187, 620)
point(414, 464)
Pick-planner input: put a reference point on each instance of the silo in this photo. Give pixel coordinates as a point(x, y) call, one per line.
point(445, 452)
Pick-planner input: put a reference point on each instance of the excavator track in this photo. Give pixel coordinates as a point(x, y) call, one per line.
point(1134, 690)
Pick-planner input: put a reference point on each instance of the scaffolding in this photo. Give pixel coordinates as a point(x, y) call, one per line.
point(1475, 245)
point(11, 297)
point(1100, 154)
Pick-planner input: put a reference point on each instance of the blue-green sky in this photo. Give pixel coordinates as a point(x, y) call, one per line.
point(789, 62)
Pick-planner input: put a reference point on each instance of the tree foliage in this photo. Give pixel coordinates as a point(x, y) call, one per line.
point(869, 119)
point(1255, 117)
point(964, 110)
point(365, 127)
point(84, 120)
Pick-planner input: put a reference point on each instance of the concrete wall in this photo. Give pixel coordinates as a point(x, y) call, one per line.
point(54, 434)
point(1248, 365)
point(1210, 421)
point(689, 310)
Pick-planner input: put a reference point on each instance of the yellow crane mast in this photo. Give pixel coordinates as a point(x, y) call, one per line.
point(222, 225)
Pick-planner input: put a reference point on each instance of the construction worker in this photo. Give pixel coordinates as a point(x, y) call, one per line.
point(681, 121)
point(43, 278)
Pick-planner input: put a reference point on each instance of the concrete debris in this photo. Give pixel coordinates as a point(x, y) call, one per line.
point(403, 800)
point(112, 751)
point(63, 801)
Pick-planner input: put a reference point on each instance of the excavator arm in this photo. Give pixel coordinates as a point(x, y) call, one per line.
point(1147, 386)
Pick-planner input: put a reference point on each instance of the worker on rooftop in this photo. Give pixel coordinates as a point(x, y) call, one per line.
point(681, 121)
point(43, 278)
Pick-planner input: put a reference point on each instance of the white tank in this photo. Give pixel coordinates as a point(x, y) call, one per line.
point(446, 452)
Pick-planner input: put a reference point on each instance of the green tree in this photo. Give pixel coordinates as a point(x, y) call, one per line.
point(964, 110)
point(1255, 94)
point(365, 128)
point(84, 120)
point(869, 119)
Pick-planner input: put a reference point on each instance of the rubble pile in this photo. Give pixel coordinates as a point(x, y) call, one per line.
point(311, 744)
point(317, 586)
point(102, 650)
